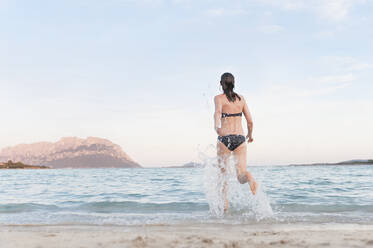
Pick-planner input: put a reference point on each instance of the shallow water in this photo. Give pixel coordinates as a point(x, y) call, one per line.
point(290, 194)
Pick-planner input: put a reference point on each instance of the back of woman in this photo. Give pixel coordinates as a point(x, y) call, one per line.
point(232, 125)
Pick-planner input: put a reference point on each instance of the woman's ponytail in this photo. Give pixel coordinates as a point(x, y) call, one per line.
point(227, 82)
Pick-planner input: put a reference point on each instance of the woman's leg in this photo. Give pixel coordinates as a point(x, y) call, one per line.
point(243, 175)
point(223, 155)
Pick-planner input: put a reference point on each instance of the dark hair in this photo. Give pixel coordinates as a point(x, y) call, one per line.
point(227, 82)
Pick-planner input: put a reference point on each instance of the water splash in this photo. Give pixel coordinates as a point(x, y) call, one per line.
point(242, 203)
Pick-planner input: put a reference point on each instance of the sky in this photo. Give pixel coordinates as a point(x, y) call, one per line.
point(143, 74)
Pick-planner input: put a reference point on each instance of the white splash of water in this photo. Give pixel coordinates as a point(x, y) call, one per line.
point(242, 202)
point(213, 182)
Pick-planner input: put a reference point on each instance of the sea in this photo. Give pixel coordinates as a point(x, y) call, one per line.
point(286, 194)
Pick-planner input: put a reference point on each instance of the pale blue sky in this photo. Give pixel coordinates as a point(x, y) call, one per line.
point(143, 73)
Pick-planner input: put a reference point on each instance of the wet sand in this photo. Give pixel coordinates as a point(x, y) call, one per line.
point(194, 235)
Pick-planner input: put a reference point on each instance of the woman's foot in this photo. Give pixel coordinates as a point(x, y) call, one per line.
point(226, 206)
point(253, 186)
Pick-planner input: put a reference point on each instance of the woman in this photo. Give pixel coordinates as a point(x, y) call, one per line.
point(229, 107)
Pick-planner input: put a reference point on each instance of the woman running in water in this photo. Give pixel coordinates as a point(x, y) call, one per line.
point(229, 107)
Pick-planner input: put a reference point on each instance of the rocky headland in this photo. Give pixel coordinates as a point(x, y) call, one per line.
point(71, 152)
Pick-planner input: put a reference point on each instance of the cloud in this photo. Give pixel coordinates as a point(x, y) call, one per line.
point(313, 86)
point(291, 91)
point(216, 12)
point(346, 63)
point(336, 10)
point(335, 79)
point(271, 29)
point(333, 10)
point(326, 84)
point(325, 34)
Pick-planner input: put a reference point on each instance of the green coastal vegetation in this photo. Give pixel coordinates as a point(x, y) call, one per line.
point(19, 165)
point(370, 161)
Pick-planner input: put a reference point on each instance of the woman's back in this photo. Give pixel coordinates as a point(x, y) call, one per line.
point(231, 124)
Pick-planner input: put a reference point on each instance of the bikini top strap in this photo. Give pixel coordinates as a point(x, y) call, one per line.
point(223, 115)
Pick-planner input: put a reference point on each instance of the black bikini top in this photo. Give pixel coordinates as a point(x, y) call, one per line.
point(223, 115)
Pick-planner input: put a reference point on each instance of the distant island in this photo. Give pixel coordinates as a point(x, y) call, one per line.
point(188, 165)
point(19, 165)
point(349, 162)
point(70, 152)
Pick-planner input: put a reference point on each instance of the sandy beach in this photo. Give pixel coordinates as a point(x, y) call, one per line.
point(195, 235)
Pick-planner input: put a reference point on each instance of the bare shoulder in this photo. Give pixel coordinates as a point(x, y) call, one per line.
point(242, 100)
point(241, 96)
point(218, 97)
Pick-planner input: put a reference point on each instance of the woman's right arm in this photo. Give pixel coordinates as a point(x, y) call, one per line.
point(217, 114)
point(249, 121)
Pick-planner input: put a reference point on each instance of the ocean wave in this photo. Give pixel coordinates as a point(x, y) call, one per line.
point(138, 207)
point(334, 208)
point(169, 207)
point(107, 207)
point(25, 207)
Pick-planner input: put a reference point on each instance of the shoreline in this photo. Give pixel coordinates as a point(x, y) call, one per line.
point(187, 235)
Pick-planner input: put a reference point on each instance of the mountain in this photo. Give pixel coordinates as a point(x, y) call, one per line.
point(192, 165)
point(71, 152)
point(188, 165)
